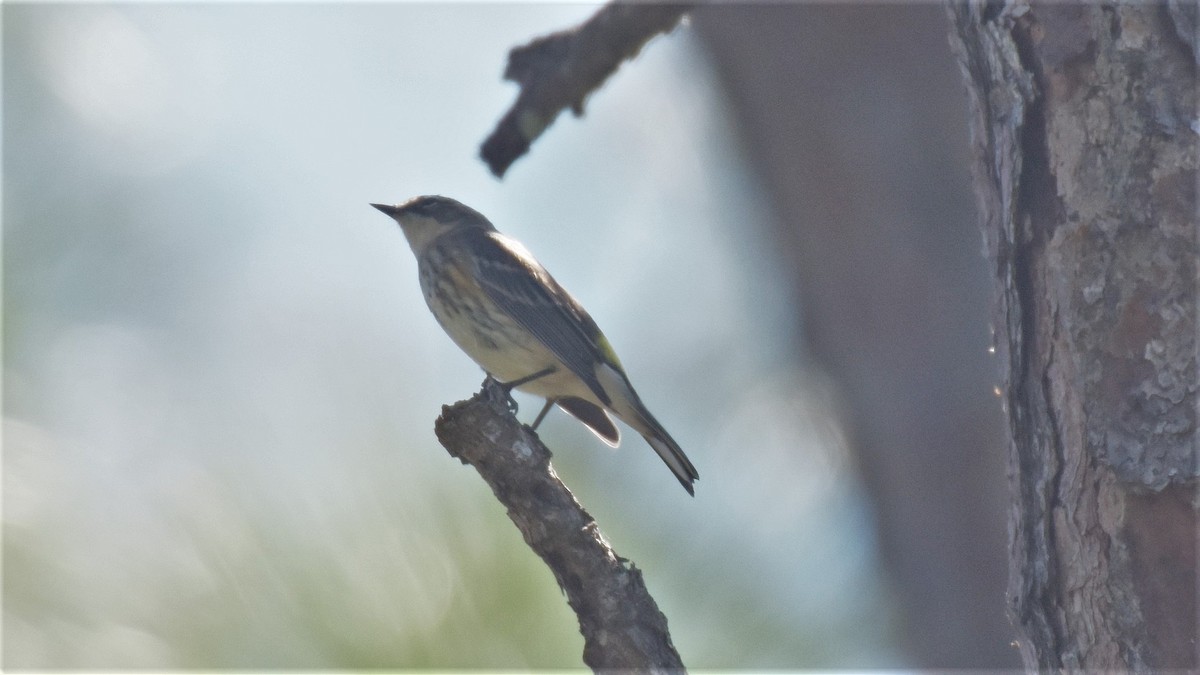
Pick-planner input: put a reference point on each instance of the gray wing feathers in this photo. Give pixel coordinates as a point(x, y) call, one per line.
point(528, 293)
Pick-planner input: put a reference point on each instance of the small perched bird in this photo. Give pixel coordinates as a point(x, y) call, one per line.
point(504, 310)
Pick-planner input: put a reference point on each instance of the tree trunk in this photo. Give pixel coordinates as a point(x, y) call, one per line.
point(854, 118)
point(1084, 128)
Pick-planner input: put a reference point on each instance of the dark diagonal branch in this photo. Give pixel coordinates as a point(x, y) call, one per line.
point(559, 70)
point(622, 627)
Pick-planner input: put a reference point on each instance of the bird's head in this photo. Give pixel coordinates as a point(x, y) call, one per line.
point(424, 219)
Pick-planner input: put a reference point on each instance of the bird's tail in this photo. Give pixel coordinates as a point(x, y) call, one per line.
point(626, 405)
point(671, 453)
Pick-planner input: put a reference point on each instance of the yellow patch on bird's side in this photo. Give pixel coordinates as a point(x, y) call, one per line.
point(609, 354)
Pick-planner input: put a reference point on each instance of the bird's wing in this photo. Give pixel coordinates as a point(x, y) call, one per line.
point(593, 417)
point(516, 282)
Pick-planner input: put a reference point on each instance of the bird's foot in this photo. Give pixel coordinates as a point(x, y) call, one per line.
point(498, 392)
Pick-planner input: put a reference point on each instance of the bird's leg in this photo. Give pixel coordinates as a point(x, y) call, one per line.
point(509, 386)
point(545, 409)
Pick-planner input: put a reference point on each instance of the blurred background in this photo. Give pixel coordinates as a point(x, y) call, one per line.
point(220, 378)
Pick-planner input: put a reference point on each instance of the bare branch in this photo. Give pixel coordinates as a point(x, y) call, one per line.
point(559, 70)
point(622, 627)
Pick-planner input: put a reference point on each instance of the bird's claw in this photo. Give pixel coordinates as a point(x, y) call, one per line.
point(499, 392)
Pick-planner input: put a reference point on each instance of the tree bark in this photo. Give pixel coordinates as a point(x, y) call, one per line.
point(1083, 120)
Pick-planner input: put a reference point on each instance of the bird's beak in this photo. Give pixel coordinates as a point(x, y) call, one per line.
point(392, 211)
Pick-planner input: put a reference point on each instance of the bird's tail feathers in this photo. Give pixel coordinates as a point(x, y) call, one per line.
point(669, 451)
point(675, 458)
point(629, 407)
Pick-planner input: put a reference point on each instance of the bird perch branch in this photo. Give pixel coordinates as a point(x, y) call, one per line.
point(622, 627)
point(559, 70)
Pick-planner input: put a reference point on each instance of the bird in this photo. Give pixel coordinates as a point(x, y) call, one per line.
point(506, 312)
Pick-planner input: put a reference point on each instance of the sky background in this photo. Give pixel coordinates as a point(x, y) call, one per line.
point(220, 378)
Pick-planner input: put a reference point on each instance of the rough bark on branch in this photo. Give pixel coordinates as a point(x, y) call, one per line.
point(560, 70)
point(621, 625)
point(1083, 126)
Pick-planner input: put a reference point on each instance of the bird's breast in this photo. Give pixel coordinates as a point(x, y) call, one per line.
point(492, 338)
